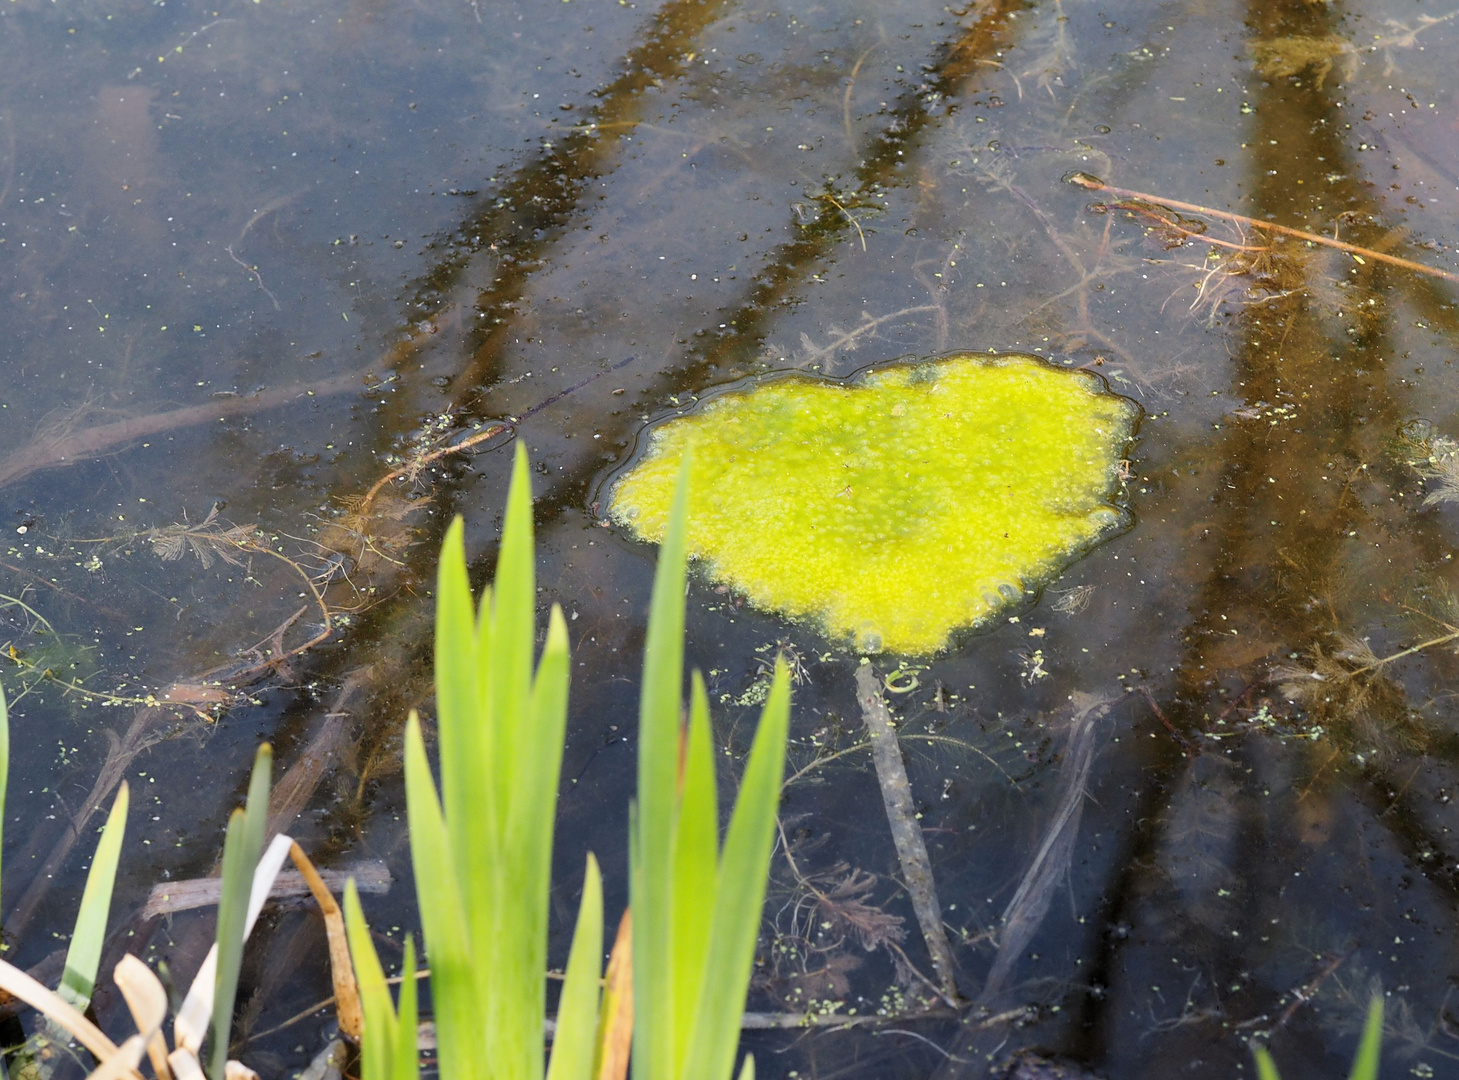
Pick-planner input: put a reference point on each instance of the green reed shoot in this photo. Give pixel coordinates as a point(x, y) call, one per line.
point(1365, 1061)
point(83, 957)
point(574, 1050)
point(698, 906)
point(482, 852)
point(241, 849)
point(388, 1044)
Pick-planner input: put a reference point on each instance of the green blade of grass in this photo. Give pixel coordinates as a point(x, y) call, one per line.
point(748, 1071)
point(461, 1044)
point(462, 724)
point(380, 1024)
point(406, 1054)
point(84, 955)
point(696, 863)
point(525, 869)
point(232, 911)
point(740, 892)
point(1266, 1068)
point(506, 656)
point(256, 808)
point(492, 755)
point(1365, 1062)
point(513, 612)
point(658, 769)
point(241, 849)
point(575, 1044)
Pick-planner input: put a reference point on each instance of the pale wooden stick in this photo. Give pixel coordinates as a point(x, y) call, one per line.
point(896, 794)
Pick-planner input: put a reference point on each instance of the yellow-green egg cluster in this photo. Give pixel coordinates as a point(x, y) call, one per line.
point(898, 507)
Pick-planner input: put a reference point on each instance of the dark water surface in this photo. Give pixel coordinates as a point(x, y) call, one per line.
point(269, 256)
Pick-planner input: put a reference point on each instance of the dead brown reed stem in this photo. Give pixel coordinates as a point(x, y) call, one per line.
point(1165, 223)
point(1091, 183)
point(348, 1010)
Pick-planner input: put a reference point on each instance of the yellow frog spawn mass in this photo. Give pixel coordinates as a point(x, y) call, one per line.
point(896, 508)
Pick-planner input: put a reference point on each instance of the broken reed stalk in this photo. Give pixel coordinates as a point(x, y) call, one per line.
point(348, 1009)
point(43, 999)
point(1443, 639)
point(372, 877)
point(1092, 183)
point(896, 794)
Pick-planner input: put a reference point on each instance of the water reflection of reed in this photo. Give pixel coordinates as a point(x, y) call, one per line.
point(525, 219)
point(1289, 574)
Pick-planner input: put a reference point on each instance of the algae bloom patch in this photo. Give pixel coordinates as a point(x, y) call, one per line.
point(898, 507)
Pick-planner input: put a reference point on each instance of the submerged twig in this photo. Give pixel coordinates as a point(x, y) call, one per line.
point(1306, 992)
point(413, 467)
point(896, 795)
point(371, 877)
point(1091, 183)
point(50, 451)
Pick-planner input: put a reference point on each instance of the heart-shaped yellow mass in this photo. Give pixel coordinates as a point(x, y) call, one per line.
point(900, 506)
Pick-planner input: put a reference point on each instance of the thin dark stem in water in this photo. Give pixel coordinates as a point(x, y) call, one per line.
point(1185, 744)
point(50, 451)
point(1305, 993)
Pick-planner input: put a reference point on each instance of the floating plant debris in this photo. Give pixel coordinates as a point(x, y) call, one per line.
point(896, 507)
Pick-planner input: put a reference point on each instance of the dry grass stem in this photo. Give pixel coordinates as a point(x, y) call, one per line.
point(1091, 183)
point(615, 1023)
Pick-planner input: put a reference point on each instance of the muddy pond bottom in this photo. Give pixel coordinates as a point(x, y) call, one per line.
point(899, 506)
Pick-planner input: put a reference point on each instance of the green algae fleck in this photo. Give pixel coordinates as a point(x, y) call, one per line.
point(897, 507)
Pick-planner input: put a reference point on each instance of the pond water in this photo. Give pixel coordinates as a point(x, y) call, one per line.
point(263, 262)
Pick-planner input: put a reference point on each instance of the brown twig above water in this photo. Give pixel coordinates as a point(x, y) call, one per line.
point(1092, 183)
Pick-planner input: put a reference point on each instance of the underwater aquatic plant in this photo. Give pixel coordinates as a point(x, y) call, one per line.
point(899, 506)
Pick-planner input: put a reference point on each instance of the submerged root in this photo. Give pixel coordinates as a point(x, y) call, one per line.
point(1347, 693)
